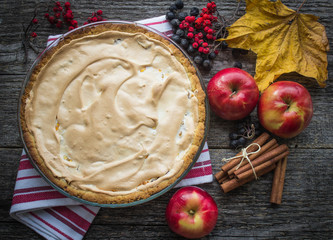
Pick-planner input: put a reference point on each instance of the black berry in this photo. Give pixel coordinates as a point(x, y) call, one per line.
point(194, 11)
point(170, 16)
point(190, 49)
point(198, 60)
point(233, 136)
point(175, 22)
point(176, 38)
point(180, 32)
point(179, 4)
point(206, 64)
point(238, 65)
point(184, 43)
point(182, 16)
point(211, 55)
point(173, 8)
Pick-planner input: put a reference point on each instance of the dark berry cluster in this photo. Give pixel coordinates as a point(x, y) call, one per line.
point(62, 14)
point(246, 130)
point(195, 32)
point(95, 17)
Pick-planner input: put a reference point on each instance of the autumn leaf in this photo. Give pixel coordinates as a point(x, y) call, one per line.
point(283, 39)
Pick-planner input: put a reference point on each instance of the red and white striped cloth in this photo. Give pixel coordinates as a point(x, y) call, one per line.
point(54, 216)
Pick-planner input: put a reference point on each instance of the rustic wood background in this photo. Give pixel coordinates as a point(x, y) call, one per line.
point(245, 213)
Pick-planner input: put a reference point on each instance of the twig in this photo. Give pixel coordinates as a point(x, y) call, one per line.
point(299, 8)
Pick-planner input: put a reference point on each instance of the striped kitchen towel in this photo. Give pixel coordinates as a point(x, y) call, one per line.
point(54, 216)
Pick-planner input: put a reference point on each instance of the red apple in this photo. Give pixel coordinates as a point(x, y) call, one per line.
point(232, 93)
point(285, 109)
point(191, 212)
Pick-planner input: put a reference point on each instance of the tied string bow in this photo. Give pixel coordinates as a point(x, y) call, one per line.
point(245, 155)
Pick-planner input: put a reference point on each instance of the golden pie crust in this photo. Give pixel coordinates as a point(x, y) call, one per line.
point(99, 197)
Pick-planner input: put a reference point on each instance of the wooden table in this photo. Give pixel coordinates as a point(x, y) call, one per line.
point(245, 213)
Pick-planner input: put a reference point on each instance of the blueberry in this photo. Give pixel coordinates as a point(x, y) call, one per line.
point(182, 16)
point(194, 11)
point(184, 43)
point(238, 65)
point(233, 143)
point(176, 38)
point(175, 22)
point(211, 55)
point(179, 4)
point(198, 60)
point(241, 142)
point(180, 32)
point(172, 8)
point(207, 64)
point(170, 16)
point(174, 29)
point(233, 136)
point(190, 49)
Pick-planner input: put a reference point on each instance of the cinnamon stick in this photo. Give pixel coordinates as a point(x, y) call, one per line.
point(219, 175)
point(263, 149)
point(235, 183)
point(260, 140)
point(263, 158)
point(278, 181)
point(264, 165)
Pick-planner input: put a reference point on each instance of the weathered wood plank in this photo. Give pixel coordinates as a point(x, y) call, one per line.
point(305, 212)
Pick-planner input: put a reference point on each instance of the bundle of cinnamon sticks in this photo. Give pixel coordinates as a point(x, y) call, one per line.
point(269, 156)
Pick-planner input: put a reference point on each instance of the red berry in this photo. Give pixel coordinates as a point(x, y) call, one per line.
point(57, 15)
point(59, 24)
point(74, 23)
point(58, 4)
point(46, 15)
point(35, 20)
point(216, 51)
point(67, 4)
point(188, 18)
point(55, 9)
point(186, 25)
point(190, 35)
point(200, 41)
point(196, 39)
point(208, 22)
point(85, 23)
point(51, 19)
point(209, 36)
point(191, 29)
point(200, 35)
point(200, 49)
point(205, 50)
point(204, 44)
point(99, 12)
point(33, 34)
point(99, 18)
point(60, 8)
point(206, 29)
point(181, 26)
point(70, 28)
point(195, 45)
point(94, 19)
point(210, 31)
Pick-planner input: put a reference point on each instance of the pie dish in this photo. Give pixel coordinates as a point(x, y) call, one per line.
point(113, 113)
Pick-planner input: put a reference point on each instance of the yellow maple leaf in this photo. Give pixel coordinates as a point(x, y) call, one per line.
point(283, 39)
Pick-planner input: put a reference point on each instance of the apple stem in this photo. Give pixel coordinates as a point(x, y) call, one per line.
point(233, 93)
point(191, 212)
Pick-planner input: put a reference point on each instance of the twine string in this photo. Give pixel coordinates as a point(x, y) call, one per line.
point(245, 155)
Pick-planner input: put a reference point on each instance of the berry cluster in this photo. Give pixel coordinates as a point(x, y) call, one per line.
point(246, 130)
point(95, 17)
point(195, 32)
point(62, 12)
